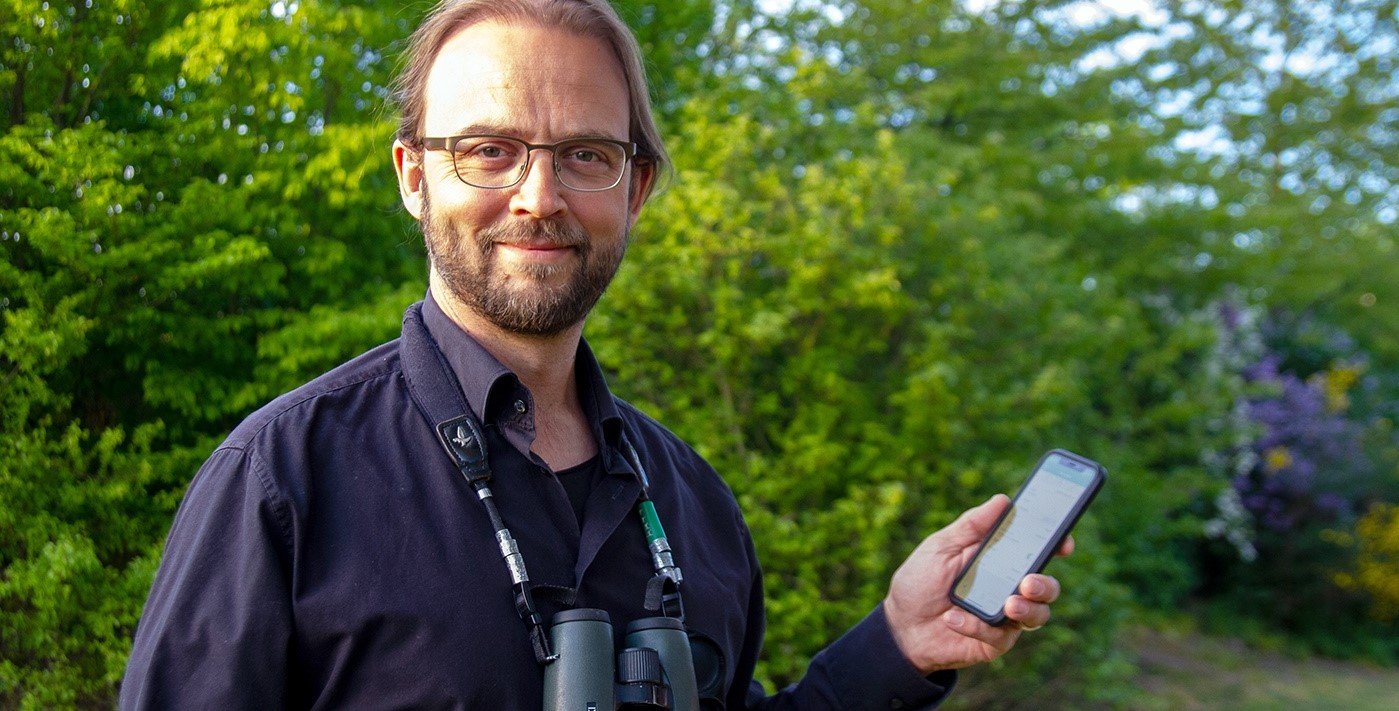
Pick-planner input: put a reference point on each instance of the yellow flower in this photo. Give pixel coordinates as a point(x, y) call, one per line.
point(1337, 382)
point(1377, 561)
point(1277, 459)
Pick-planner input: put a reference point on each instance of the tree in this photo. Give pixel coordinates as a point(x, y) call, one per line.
point(186, 191)
point(909, 246)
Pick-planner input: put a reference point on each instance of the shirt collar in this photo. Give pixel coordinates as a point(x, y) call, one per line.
point(491, 388)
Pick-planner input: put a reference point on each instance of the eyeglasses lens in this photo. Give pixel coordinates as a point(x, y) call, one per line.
point(494, 162)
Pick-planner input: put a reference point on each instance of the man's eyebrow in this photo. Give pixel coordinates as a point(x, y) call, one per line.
point(503, 130)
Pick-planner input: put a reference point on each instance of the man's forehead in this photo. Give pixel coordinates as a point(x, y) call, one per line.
point(494, 66)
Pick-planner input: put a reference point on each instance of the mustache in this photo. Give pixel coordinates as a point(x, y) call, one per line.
point(553, 234)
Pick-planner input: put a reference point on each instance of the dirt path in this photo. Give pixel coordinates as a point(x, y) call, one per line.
point(1185, 671)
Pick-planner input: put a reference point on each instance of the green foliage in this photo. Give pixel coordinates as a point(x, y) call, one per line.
point(908, 247)
point(181, 207)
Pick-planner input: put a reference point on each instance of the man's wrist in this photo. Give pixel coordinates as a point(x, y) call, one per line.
point(904, 634)
point(871, 671)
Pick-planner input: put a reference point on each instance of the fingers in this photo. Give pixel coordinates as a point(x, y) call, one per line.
point(999, 638)
point(1039, 588)
point(1067, 547)
point(1029, 615)
point(1030, 608)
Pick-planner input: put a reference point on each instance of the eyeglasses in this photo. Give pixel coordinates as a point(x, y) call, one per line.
point(494, 162)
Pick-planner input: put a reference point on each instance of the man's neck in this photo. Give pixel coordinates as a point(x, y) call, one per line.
point(544, 365)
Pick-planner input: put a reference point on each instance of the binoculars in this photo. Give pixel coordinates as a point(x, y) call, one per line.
point(655, 669)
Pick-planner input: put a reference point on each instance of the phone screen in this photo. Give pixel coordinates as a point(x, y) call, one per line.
point(1038, 517)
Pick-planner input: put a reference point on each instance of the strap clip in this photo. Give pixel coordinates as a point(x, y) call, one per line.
point(465, 444)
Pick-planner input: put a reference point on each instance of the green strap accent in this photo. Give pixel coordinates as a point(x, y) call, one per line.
point(651, 521)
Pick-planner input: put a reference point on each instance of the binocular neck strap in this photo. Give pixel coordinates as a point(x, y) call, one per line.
point(439, 398)
point(466, 445)
point(663, 590)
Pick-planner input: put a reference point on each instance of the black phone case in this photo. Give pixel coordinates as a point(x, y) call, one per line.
point(1099, 478)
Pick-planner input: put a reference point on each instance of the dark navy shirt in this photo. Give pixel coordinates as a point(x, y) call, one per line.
point(330, 555)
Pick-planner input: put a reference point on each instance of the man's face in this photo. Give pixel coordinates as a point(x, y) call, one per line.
point(533, 258)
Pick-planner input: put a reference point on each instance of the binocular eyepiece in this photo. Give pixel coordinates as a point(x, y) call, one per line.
point(654, 670)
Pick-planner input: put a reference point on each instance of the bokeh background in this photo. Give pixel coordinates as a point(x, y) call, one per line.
point(909, 246)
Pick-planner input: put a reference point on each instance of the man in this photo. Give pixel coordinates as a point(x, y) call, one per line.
point(337, 552)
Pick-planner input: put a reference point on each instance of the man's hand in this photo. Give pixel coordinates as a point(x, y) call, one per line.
point(934, 634)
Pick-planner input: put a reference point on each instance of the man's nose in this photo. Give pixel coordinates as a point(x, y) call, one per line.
point(539, 194)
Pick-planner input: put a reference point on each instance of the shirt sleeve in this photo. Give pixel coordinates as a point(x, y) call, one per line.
point(862, 671)
point(215, 631)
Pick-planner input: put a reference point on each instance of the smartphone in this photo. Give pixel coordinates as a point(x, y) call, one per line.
point(1027, 534)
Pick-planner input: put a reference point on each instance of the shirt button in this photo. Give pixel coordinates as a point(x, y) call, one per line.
point(896, 704)
point(521, 407)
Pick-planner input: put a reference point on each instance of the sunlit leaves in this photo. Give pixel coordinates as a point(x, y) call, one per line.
point(909, 246)
point(159, 223)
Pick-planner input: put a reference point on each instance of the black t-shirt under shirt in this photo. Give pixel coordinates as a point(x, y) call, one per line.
point(578, 483)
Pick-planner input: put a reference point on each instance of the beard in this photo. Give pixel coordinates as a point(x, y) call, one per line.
point(538, 299)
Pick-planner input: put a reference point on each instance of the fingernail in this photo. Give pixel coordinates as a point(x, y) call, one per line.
point(956, 619)
point(1036, 587)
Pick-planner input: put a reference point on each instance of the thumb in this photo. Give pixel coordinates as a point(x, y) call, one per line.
point(975, 523)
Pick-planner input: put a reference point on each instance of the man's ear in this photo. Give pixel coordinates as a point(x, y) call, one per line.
point(408, 165)
point(643, 177)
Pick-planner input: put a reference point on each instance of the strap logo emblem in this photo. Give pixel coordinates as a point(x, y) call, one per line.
point(463, 437)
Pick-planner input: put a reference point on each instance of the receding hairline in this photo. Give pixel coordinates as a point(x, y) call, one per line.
point(613, 80)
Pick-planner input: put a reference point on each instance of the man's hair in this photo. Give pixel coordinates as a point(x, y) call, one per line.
point(589, 18)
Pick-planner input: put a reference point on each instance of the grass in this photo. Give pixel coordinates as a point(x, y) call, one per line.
point(1184, 670)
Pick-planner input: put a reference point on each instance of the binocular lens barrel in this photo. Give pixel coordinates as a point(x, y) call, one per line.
point(584, 676)
point(581, 679)
point(667, 636)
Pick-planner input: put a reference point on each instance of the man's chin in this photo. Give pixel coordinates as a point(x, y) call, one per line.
point(531, 324)
point(531, 306)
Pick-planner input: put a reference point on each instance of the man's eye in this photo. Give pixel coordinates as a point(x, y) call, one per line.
point(592, 154)
point(486, 150)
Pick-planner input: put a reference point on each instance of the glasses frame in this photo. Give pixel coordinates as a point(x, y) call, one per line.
point(447, 143)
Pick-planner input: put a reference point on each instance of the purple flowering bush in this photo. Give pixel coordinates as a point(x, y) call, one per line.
point(1305, 457)
point(1315, 451)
